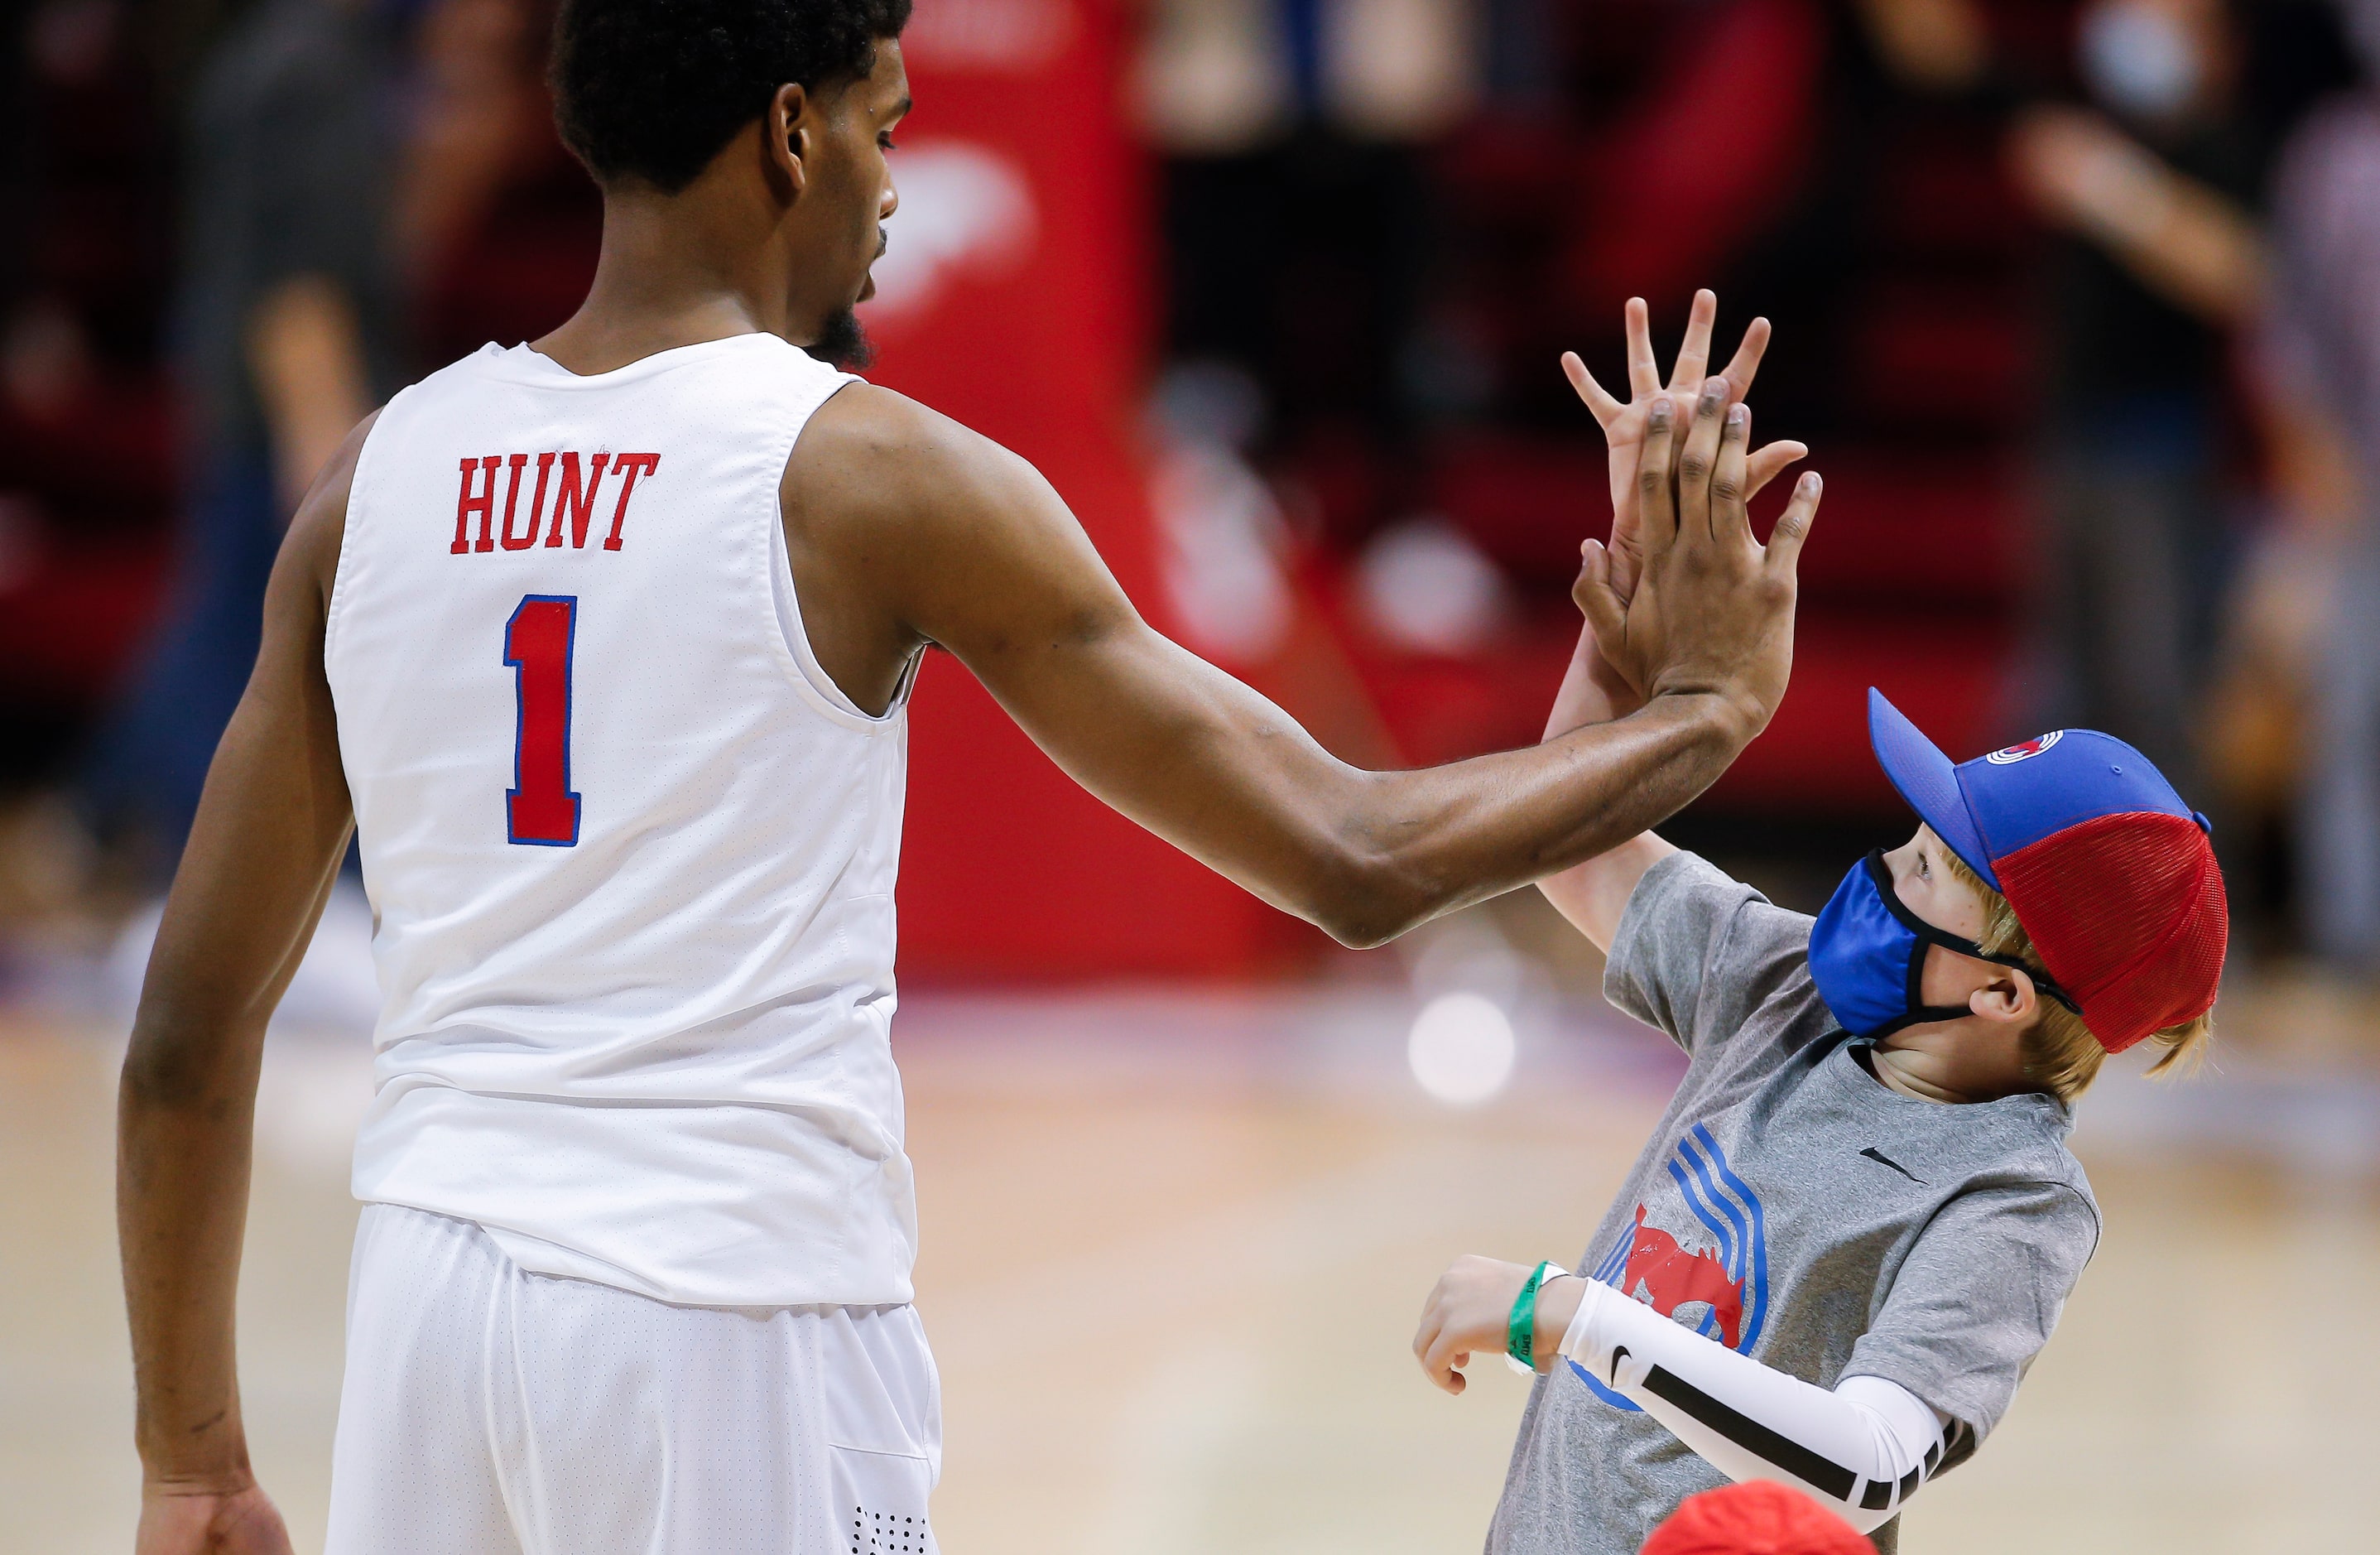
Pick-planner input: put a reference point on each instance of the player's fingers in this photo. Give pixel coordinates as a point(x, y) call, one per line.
point(1657, 507)
point(1745, 366)
point(1729, 488)
point(1693, 352)
point(1698, 458)
point(1643, 370)
point(1793, 525)
point(1599, 401)
point(1766, 464)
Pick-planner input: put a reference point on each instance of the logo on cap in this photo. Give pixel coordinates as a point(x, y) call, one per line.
point(2019, 751)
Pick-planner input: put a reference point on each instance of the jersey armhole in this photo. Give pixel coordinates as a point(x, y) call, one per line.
point(808, 672)
point(358, 485)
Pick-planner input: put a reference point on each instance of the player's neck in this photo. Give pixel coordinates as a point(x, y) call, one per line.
point(680, 270)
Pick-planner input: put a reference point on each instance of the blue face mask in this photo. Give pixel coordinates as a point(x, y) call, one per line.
point(1868, 955)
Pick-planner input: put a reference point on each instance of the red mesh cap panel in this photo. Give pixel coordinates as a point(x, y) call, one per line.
point(1756, 1517)
point(2128, 913)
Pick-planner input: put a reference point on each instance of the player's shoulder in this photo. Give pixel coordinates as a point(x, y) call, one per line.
point(883, 427)
point(319, 527)
point(873, 448)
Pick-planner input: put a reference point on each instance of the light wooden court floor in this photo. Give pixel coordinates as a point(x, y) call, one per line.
point(1173, 1245)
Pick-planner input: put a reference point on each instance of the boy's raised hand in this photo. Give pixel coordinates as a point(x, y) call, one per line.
point(1711, 609)
point(1624, 424)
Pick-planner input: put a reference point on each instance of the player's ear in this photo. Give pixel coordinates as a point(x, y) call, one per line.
point(786, 136)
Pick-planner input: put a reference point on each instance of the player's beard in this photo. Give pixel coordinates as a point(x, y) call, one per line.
point(843, 342)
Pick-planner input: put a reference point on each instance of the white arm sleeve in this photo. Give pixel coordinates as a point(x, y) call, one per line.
point(1862, 1449)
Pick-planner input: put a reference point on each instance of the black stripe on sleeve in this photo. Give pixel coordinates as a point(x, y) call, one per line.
point(1933, 1456)
point(1879, 1496)
point(1753, 1437)
point(1909, 1482)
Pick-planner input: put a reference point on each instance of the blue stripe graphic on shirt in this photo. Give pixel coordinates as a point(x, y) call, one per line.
point(1730, 1211)
point(1608, 1271)
point(1757, 1312)
point(1710, 1223)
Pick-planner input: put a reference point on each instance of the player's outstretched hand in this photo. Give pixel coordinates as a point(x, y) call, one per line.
point(178, 1521)
point(1711, 613)
point(1466, 1314)
point(1624, 424)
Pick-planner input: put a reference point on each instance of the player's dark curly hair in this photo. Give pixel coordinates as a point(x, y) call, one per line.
point(651, 89)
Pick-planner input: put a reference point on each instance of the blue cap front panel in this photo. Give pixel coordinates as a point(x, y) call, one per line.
point(1927, 780)
point(2078, 775)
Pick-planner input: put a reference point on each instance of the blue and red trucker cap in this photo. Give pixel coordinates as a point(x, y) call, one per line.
point(2111, 874)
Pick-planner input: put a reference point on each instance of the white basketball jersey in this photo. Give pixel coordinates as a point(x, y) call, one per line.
point(630, 852)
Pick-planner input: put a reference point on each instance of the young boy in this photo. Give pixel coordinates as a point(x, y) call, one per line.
point(1858, 1221)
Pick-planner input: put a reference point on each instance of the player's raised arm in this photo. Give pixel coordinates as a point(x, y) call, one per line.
point(970, 547)
point(270, 830)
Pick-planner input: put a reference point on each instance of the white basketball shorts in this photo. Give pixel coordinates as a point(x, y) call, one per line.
point(490, 1411)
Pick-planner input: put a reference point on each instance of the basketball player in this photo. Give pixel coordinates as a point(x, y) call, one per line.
point(600, 648)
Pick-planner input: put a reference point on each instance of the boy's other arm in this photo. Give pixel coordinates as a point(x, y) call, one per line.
point(271, 827)
point(1863, 1447)
point(968, 546)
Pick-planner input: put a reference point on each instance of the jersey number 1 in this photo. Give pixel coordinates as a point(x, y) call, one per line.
point(539, 808)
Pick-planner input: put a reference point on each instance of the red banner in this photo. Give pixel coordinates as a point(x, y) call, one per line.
point(1015, 297)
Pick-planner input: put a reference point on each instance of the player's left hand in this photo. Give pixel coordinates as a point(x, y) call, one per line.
point(1466, 1314)
point(1624, 423)
point(197, 1520)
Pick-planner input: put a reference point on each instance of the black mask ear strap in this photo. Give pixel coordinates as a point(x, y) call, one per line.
point(1881, 873)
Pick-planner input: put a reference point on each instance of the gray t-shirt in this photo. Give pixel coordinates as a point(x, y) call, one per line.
point(1794, 1207)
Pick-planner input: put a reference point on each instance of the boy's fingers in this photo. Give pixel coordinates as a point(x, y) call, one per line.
point(1728, 486)
point(1657, 508)
point(1644, 371)
point(1747, 363)
point(1697, 460)
point(1793, 524)
point(1693, 352)
point(1766, 464)
point(1599, 402)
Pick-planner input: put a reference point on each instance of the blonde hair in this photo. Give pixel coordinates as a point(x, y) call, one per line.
point(2060, 1051)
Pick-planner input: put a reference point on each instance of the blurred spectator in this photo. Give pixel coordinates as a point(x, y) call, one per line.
point(2315, 604)
point(499, 226)
point(286, 335)
point(2159, 258)
point(85, 478)
point(1297, 216)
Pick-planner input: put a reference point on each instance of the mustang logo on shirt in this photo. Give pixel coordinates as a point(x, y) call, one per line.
point(1720, 1290)
point(1666, 1277)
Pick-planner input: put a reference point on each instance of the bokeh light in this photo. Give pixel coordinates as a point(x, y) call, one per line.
point(1462, 1048)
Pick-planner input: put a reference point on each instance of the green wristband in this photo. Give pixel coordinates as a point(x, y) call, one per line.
point(1521, 1331)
